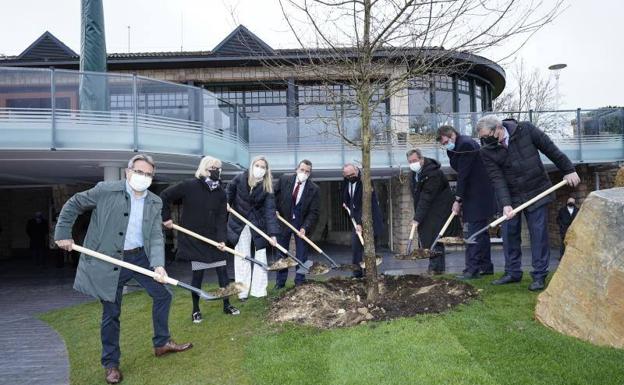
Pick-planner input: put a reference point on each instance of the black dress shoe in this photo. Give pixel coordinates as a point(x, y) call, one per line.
point(505, 279)
point(486, 272)
point(537, 285)
point(278, 287)
point(467, 276)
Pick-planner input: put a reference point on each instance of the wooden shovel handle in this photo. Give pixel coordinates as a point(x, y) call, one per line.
point(446, 224)
point(308, 240)
point(412, 231)
point(257, 230)
point(207, 240)
point(121, 263)
point(354, 224)
point(529, 202)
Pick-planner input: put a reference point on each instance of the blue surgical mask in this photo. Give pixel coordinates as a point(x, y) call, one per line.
point(450, 146)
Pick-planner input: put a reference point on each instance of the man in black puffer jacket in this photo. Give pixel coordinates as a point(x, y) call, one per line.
point(511, 153)
point(433, 201)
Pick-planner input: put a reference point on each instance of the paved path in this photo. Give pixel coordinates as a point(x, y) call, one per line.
point(33, 353)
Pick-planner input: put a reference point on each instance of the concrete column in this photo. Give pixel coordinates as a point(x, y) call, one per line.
point(112, 171)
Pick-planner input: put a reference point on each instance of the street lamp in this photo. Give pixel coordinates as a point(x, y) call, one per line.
point(556, 68)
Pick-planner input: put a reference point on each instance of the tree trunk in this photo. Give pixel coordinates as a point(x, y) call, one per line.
point(364, 98)
point(372, 290)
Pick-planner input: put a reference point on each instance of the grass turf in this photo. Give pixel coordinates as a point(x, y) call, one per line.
point(493, 340)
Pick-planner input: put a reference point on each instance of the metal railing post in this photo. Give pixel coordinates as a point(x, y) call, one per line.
point(53, 108)
point(201, 119)
point(531, 116)
point(579, 130)
point(135, 109)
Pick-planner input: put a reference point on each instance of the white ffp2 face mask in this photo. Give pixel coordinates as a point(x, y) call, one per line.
point(139, 183)
point(302, 177)
point(258, 172)
point(415, 167)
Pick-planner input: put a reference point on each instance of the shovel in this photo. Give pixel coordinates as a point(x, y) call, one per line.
point(354, 224)
point(141, 270)
point(471, 239)
point(216, 244)
point(421, 253)
point(304, 268)
point(411, 238)
point(315, 247)
point(378, 259)
point(446, 225)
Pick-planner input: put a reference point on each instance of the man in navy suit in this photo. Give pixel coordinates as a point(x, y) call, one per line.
point(474, 197)
point(298, 200)
point(352, 198)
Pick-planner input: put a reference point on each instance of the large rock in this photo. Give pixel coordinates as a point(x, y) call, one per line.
point(619, 178)
point(585, 297)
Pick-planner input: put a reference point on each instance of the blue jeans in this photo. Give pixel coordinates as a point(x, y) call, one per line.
point(478, 255)
point(537, 221)
point(161, 298)
point(300, 253)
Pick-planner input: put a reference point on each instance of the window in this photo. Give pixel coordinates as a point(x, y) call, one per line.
point(443, 82)
point(121, 102)
point(251, 99)
point(463, 86)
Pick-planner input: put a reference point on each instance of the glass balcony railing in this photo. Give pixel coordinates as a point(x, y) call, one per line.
point(60, 109)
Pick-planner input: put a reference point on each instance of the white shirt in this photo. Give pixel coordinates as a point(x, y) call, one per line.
point(506, 137)
point(570, 210)
point(300, 192)
point(134, 231)
point(352, 189)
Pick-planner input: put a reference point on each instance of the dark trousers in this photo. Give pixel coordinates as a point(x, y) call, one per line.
point(161, 298)
point(438, 264)
point(198, 277)
point(478, 255)
point(537, 221)
point(301, 254)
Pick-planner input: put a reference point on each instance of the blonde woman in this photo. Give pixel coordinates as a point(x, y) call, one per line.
point(204, 211)
point(251, 195)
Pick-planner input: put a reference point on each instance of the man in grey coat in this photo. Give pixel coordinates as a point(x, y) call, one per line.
point(125, 224)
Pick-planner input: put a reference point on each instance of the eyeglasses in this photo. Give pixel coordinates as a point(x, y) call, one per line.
point(139, 172)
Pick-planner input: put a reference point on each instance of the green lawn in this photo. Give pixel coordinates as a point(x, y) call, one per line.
point(491, 341)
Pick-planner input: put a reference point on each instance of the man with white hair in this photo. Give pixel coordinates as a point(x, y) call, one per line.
point(511, 154)
point(352, 193)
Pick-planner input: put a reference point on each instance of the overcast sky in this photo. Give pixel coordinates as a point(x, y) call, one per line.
point(587, 36)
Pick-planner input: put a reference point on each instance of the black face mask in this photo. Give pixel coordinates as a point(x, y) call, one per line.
point(353, 179)
point(570, 204)
point(214, 175)
point(489, 141)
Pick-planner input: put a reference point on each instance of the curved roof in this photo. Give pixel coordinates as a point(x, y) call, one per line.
point(242, 48)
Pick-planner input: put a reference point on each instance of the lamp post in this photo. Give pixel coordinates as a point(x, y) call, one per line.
point(556, 69)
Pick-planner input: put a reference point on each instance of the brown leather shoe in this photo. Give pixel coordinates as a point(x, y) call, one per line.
point(113, 375)
point(171, 347)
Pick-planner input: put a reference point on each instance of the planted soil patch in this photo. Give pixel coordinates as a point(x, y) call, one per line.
point(341, 302)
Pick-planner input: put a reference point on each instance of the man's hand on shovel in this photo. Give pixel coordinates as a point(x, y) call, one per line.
point(161, 274)
point(572, 178)
point(508, 211)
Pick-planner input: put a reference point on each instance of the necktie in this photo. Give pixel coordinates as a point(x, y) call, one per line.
point(295, 194)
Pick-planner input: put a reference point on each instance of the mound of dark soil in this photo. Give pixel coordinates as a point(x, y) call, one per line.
point(341, 302)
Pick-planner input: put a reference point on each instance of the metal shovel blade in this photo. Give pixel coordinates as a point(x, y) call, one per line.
point(452, 240)
point(419, 254)
point(232, 289)
point(282, 263)
point(202, 294)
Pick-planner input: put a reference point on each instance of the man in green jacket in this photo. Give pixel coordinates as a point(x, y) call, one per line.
point(126, 224)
